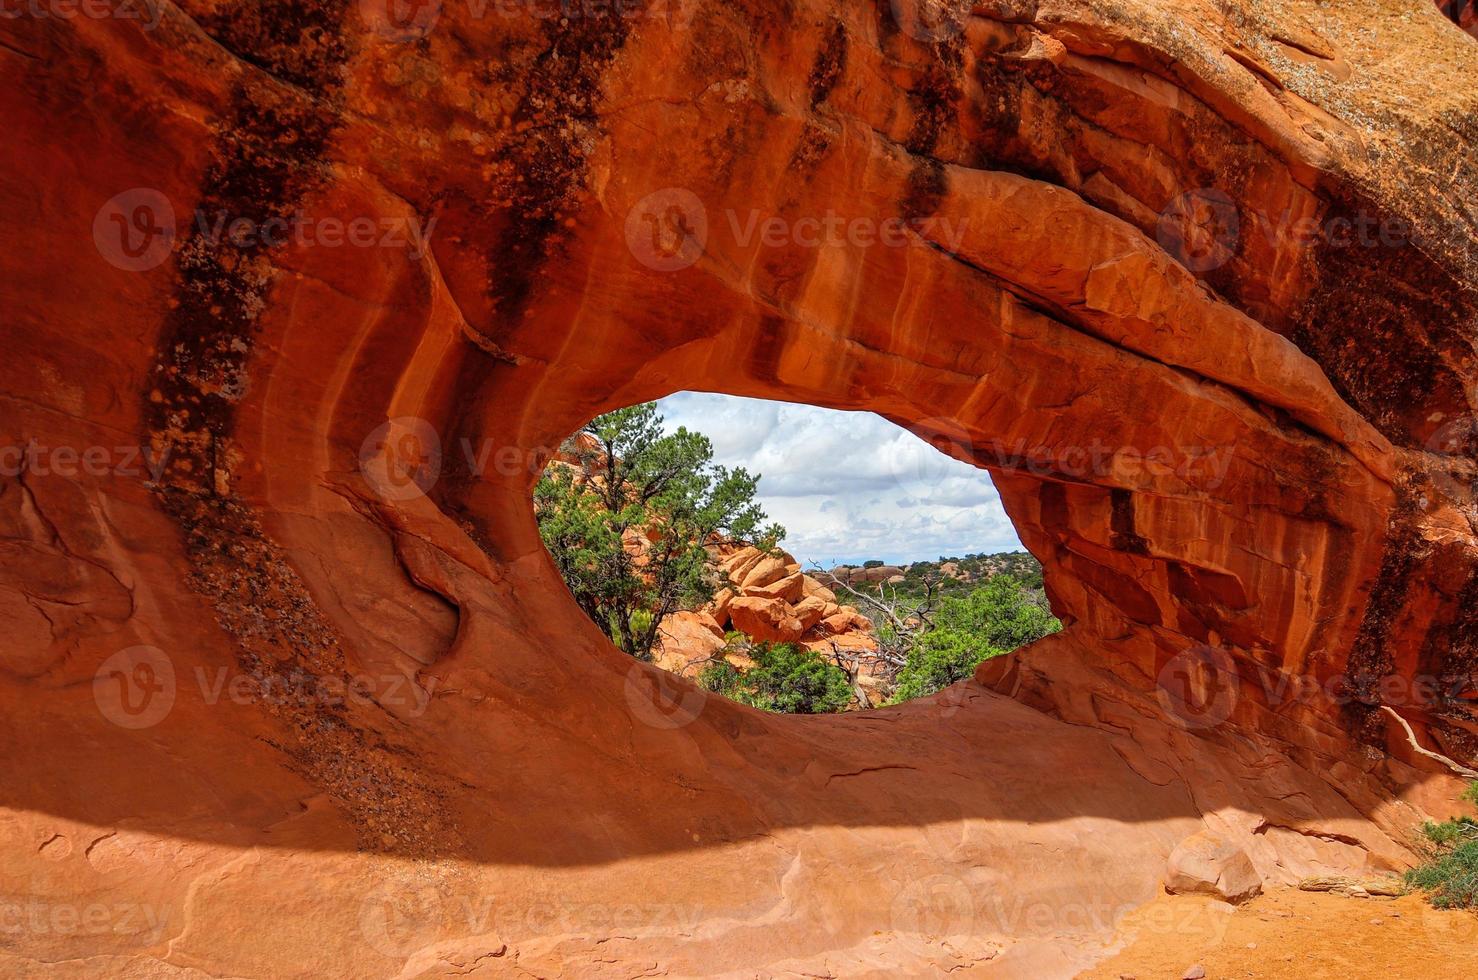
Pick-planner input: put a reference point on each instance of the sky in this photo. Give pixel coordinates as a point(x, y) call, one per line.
point(849, 486)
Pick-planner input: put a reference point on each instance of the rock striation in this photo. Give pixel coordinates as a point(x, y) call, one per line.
point(302, 293)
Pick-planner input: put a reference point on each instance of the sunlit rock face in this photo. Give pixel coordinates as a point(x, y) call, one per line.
point(296, 689)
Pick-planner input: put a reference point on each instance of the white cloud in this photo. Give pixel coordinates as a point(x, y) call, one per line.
point(850, 485)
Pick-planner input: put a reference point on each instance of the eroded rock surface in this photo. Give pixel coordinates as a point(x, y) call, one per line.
point(296, 689)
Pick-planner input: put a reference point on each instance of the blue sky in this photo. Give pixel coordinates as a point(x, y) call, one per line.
point(849, 486)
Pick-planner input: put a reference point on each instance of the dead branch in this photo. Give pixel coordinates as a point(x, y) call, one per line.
point(1458, 768)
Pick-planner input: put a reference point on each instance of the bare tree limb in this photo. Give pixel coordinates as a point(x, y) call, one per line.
point(1458, 768)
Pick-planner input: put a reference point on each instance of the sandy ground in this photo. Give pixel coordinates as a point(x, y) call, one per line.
point(1287, 934)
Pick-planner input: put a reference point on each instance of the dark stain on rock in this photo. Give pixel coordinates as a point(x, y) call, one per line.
point(1123, 535)
point(769, 345)
point(268, 158)
point(300, 43)
point(934, 99)
point(809, 152)
point(830, 61)
point(269, 155)
point(928, 183)
point(1384, 321)
point(555, 126)
point(1371, 658)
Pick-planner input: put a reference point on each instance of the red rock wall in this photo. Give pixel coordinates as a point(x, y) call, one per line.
point(1195, 287)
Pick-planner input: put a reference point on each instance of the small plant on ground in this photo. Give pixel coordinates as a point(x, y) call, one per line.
point(786, 677)
point(1450, 875)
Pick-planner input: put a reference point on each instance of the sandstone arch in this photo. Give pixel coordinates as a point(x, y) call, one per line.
point(1034, 302)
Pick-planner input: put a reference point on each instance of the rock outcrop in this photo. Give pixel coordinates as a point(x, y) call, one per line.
point(298, 295)
point(1204, 864)
point(770, 599)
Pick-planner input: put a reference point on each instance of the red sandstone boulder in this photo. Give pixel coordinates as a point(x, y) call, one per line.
point(1205, 864)
point(685, 637)
point(812, 587)
point(839, 622)
point(765, 619)
point(738, 564)
point(719, 608)
point(788, 588)
point(768, 569)
point(810, 611)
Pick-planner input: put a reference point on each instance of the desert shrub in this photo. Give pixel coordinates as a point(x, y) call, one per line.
point(630, 475)
point(1450, 875)
point(786, 678)
point(994, 619)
